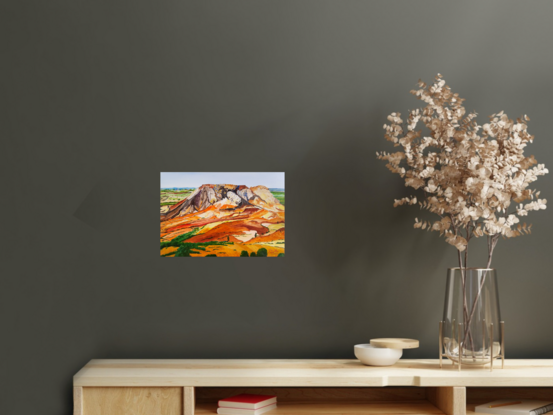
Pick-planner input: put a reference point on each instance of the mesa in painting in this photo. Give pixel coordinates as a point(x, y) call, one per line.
point(222, 214)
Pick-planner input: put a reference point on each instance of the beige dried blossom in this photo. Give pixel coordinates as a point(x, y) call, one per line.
point(475, 178)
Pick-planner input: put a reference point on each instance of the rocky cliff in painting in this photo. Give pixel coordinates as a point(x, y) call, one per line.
point(223, 220)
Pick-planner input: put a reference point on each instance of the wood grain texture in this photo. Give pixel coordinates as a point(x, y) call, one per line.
point(188, 400)
point(420, 408)
point(298, 373)
point(132, 401)
point(395, 343)
point(450, 400)
point(77, 400)
point(297, 395)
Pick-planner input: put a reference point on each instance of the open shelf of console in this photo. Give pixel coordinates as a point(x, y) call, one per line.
point(322, 400)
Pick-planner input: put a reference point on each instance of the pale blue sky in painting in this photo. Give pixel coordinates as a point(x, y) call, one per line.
point(174, 179)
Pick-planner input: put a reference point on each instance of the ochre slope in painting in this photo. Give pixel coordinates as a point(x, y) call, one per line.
point(224, 221)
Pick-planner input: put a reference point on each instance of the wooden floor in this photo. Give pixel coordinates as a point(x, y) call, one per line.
point(414, 408)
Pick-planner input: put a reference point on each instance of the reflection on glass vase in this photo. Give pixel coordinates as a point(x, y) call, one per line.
point(471, 332)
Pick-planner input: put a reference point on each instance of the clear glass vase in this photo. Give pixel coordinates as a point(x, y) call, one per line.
point(471, 331)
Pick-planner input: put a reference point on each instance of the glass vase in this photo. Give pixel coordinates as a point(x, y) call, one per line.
point(471, 332)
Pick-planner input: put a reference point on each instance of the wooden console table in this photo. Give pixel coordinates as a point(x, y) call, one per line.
point(187, 387)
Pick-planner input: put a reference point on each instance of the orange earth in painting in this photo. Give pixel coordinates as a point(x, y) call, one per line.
point(222, 220)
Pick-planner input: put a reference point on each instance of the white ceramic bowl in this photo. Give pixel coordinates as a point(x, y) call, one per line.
point(376, 356)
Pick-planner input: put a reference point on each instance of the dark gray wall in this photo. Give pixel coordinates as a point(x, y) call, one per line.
point(98, 97)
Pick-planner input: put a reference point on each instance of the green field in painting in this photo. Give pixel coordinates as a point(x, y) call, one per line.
point(169, 197)
point(279, 196)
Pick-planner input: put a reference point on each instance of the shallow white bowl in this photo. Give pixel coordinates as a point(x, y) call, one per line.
point(376, 356)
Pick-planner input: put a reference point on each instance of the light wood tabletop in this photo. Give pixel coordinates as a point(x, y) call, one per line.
point(306, 373)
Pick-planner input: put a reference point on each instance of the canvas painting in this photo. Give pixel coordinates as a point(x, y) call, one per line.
point(222, 214)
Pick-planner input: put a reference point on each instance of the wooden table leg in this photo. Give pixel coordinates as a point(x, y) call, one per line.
point(189, 400)
point(451, 400)
point(77, 400)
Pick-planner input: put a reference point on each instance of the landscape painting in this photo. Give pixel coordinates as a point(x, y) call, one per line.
point(222, 214)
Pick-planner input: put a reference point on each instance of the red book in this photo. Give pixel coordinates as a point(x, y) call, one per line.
point(247, 401)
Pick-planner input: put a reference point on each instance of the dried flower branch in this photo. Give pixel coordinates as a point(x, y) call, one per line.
point(475, 178)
